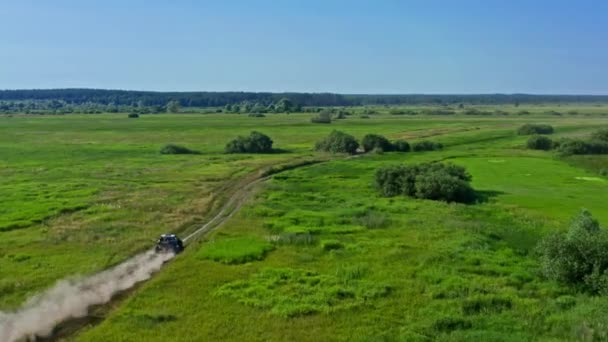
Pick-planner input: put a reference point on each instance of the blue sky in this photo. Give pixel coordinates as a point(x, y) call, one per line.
point(383, 46)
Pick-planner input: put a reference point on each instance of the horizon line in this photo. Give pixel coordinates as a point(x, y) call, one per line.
point(307, 92)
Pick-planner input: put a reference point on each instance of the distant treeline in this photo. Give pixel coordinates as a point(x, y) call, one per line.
point(221, 99)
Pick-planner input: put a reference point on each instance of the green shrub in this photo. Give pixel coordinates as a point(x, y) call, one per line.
point(435, 181)
point(176, 149)
point(426, 145)
point(338, 142)
point(323, 117)
point(373, 141)
point(256, 115)
point(529, 129)
point(256, 142)
point(401, 146)
point(578, 257)
point(329, 245)
point(579, 146)
point(133, 116)
point(235, 250)
point(539, 142)
point(441, 186)
point(600, 135)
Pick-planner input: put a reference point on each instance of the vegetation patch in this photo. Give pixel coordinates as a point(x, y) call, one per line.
point(485, 304)
point(539, 142)
point(435, 181)
point(376, 141)
point(236, 250)
point(329, 245)
point(321, 118)
point(294, 292)
point(426, 145)
point(372, 219)
point(176, 149)
point(256, 142)
point(338, 142)
point(578, 257)
point(448, 324)
point(529, 129)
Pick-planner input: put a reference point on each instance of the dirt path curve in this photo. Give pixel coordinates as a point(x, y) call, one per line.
point(228, 210)
point(241, 192)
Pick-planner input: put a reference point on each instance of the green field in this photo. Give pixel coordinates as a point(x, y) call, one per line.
point(316, 254)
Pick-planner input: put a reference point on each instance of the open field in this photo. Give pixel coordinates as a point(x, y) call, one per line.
point(81, 193)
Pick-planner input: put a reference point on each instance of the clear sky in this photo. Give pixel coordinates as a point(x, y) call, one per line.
point(382, 46)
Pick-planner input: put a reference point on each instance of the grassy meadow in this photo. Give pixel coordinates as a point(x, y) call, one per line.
point(316, 253)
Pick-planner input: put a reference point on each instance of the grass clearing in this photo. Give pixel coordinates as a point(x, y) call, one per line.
point(236, 250)
point(345, 263)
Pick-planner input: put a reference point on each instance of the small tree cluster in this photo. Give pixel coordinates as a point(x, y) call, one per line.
point(256, 142)
point(338, 142)
point(539, 142)
point(435, 181)
point(376, 142)
point(600, 135)
point(529, 129)
point(580, 146)
point(597, 144)
point(578, 257)
point(426, 145)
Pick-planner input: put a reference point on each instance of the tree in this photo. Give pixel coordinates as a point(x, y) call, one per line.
point(284, 105)
point(401, 146)
point(173, 106)
point(579, 256)
point(539, 142)
point(256, 142)
point(338, 142)
point(376, 141)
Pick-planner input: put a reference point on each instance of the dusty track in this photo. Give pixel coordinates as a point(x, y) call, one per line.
point(242, 190)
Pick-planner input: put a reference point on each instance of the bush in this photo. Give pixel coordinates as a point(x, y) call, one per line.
point(539, 142)
point(529, 129)
point(401, 146)
point(256, 142)
point(578, 257)
point(601, 135)
point(323, 117)
point(176, 149)
point(338, 142)
point(579, 146)
point(329, 245)
point(435, 181)
point(133, 116)
point(256, 115)
point(373, 141)
point(426, 145)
